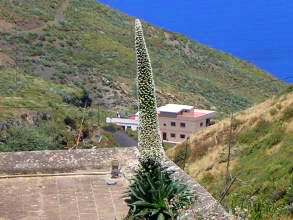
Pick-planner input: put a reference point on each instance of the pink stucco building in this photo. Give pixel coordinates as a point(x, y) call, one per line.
point(177, 122)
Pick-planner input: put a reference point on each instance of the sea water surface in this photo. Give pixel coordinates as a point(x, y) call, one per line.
point(260, 32)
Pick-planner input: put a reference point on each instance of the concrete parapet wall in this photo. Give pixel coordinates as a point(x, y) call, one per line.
point(63, 160)
point(205, 206)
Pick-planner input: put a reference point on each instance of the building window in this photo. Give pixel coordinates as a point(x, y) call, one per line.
point(173, 135)
point(164, 124)
point(201, 124)
point(182, 125)
point(182, 135)
point(208, 122)
point(173, 123)
point(164, 136)
point(128, 126)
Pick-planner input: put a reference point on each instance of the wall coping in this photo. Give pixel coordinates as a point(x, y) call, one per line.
point(62, 161)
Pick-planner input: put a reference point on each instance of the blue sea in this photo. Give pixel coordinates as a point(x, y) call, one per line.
point(260, 32)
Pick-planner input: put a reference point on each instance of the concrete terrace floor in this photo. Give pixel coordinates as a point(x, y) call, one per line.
point(78, 197)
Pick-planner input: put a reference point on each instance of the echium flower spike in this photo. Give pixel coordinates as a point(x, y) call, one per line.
point(149, 139)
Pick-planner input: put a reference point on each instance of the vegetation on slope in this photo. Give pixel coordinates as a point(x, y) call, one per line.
point(261, 159)
point(90, 45)
point(36, 115)
point(73, 52)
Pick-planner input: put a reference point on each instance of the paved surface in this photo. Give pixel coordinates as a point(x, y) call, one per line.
point(123, 139)
point(62, 198)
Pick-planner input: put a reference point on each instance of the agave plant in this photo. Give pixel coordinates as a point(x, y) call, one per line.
point(153, 194)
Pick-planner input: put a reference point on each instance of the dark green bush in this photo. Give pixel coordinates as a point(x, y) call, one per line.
point(273, 111)
point(153, 194)
point(27, 139)
point(83, 101)
point(70, 122)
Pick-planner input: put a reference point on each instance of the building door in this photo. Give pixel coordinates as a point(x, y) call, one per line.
point(164, 136)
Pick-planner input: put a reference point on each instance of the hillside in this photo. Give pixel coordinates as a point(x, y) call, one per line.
point(37, 115)
point(57, 57)
point(261, 159)
point(91, 46)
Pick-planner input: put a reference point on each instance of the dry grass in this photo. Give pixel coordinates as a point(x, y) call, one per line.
point(260, 158)
point(207, 146)
point(5, 26)
point(273, 150)
point(4, 58)
point(289, 127)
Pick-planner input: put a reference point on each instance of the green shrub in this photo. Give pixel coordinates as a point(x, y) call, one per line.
point(270, 140)
point(153, 194)
point(287, 114)
point(247, 137)
point(286, 90)
point(108, 140)
point(111, 127)
point(273, 111)
point(262, 128)
point(252, 208)
point(27, 139)
point(273, 139)
point(289, 194)
point(132, 134)
point(208, 178)
point(80, 101)
point(70, 122)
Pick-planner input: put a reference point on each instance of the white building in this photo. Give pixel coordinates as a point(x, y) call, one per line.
point(177, 122)
point(125, 123)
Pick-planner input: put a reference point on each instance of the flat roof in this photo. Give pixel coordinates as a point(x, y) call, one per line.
point(174, 108)
point(203, 111)
point(78, 197)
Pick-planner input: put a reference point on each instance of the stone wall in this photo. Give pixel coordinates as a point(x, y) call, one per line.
point(63, 160)
point(205, 206)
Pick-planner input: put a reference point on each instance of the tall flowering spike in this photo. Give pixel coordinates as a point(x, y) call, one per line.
point(149, 139)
